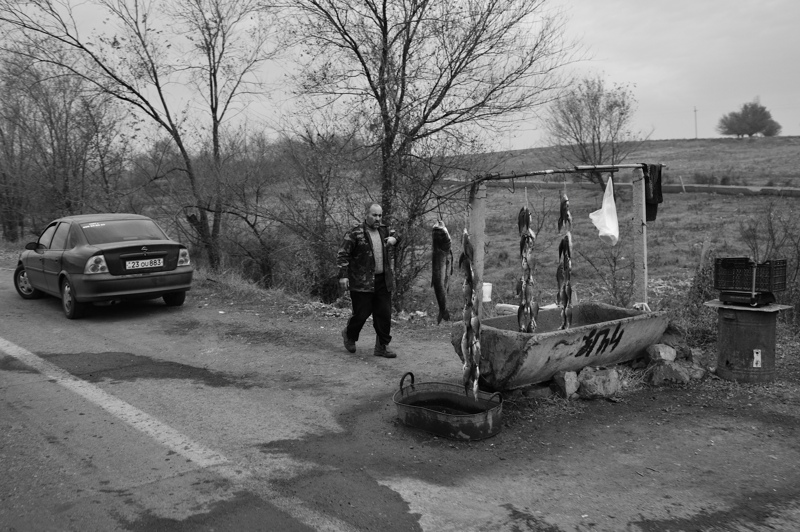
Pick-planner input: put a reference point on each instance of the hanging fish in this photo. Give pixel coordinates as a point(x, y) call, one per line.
point(564, 293)
point(442, 268)
point(466, 268)
point(475, 323)
point(528, 291)
point(523, 317)
point(524, 220)
point(526, 245)
point(475, 370)
point(564, 216)
point(470, 349)
point(565, 302)
point(470, 378)
point(466, 342)
point(565, 247)
point(466, 315)
point(467, 250)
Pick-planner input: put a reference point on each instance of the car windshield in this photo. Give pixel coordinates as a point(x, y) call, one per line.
point(121, 231)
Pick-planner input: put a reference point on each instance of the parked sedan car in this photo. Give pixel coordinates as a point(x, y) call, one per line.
point(104, 257)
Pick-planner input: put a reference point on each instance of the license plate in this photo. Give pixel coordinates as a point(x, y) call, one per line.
point(139, 264)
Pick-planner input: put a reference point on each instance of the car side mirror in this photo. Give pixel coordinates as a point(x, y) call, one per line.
point(32, 246)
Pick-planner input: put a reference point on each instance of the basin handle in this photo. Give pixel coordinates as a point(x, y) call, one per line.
point(499, 395)
point(404, 379)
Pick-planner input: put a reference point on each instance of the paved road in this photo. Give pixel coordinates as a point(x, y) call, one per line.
point(213, 417)
point(109, 423)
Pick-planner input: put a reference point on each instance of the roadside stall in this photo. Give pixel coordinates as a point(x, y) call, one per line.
point(507, 352)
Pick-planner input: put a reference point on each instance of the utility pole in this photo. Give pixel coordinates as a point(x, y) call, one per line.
point(695, 123)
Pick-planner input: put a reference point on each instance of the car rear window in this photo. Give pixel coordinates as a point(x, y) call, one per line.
point(121, 231)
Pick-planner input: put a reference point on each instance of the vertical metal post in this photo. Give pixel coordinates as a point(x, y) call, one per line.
point(477, 232)
point(639, 219)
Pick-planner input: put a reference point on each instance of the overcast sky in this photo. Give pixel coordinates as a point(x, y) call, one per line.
point(682, 55)
point(712, 55)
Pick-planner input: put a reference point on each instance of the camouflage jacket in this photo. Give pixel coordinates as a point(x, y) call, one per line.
point(356, 260)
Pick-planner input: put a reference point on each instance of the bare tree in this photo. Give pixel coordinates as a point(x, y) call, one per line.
point(15, 167)
point(591, 125)
point(63, 145)
point(423, 72)
point(160, 58)
point(422, 68)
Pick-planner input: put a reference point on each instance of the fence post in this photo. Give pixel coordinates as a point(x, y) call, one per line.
point(639, 225)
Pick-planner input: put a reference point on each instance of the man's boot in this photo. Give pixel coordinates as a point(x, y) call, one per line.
point(348, 343)
point(383, 350)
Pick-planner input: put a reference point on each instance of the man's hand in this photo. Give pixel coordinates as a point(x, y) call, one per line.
point(344, 284)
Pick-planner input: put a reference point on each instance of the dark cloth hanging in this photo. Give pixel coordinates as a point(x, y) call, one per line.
point(652, 190)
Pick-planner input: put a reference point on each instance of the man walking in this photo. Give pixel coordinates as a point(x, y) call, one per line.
point(365, 270)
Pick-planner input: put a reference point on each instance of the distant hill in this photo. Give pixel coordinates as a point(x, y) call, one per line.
point(759, 161)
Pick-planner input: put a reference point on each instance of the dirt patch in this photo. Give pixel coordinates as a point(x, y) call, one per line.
point(710, 455)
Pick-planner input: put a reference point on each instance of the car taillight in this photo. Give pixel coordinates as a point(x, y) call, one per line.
point(183, 258)
point(96, 264)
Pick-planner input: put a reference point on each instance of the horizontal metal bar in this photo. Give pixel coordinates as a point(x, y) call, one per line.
point(573, 170)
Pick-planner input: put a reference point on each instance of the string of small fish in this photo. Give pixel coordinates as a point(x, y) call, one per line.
point(442, 262)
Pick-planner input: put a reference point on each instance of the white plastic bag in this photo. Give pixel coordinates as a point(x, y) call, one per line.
point(605, 219)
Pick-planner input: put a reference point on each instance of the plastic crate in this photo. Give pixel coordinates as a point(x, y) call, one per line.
point(736, 274)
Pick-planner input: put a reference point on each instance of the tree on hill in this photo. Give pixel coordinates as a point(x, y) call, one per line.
point(751, 120)
point(591, 125)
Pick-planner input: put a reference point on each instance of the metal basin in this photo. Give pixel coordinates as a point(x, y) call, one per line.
point(444, 410)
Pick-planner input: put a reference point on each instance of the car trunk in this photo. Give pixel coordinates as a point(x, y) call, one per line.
point(141, 257)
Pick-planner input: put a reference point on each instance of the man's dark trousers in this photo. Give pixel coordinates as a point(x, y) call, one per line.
point(377, 303)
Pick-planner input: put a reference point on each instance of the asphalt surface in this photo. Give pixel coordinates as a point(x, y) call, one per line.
point(232, 415)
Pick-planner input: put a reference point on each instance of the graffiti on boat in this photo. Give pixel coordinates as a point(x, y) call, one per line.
point(592, 340)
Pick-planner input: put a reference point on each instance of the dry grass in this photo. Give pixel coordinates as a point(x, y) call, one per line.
point(757, 161)
point(675, 240)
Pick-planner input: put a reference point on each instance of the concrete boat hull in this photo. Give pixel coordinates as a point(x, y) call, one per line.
point(601, 335)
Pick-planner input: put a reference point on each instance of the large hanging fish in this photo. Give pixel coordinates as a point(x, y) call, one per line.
point(442, 268)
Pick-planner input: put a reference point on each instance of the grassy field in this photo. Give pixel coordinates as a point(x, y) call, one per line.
point(727, 161)
point(675, 239)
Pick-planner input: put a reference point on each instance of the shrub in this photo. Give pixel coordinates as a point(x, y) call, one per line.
point(684, 304)
point(615, 269)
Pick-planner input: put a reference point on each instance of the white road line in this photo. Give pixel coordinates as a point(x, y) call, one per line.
point(163, 434)
point(171, 438)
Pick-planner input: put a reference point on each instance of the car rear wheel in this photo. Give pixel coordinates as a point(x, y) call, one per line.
point(175, 299)
point(23, 285)
point(72, 309)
